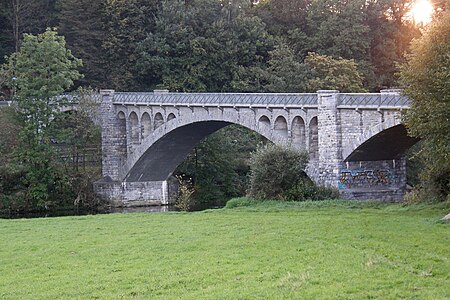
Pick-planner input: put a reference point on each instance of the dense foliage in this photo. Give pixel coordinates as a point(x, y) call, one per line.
point(278, 172)
point(34, 178)
point(217, 175)
point(425, 77)
point(209, 45)
point(276, 169)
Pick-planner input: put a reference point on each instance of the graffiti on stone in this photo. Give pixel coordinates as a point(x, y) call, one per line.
point(364, 178)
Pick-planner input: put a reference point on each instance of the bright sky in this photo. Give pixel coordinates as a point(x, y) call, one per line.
point(422, 11)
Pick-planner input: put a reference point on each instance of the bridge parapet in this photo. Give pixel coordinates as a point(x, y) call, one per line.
point(373, 100)
point(385, 100)
point(218, 99)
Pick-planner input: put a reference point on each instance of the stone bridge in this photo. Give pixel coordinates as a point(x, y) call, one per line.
point(355, 141)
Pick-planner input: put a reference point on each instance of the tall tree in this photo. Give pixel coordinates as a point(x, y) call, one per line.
point(44, 69)
point(285, 71)
point(127, 23)
point(326, 72)
point(283, 15)
point(337, 28)
point(81, 23)
point(425, 78)
point(391, 32)
point(23, 16)
point(202, 46)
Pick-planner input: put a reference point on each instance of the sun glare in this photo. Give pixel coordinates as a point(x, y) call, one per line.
point(422, 11)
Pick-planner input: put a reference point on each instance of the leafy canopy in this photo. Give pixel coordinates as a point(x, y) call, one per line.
point(44, 69)
point(425, 78)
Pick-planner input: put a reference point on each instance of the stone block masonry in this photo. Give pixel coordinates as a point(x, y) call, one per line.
point(355, 141)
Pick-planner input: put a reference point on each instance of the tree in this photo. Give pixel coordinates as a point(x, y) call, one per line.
point(203, 46)
point(77, 143)
point(8, 142)
point(425, 78)
point(391, 32)
point(326, 72)
point(127, 23)
point(275, 169)
point(286, 73)
point(337, 28)
point(218, 175)
point(45, 69)
point(81, 23)
point(23, 16)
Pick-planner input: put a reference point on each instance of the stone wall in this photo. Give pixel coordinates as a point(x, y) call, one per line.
point(131, 194)
point(329, 134)
point(382, 180)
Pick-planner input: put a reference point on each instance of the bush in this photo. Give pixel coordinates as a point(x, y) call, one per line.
point(240, 202)
point(82, 190)
point(186, 200)
point(274, 170)
point(307, 190)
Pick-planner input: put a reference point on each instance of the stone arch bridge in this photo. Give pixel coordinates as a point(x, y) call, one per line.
point(355, 141)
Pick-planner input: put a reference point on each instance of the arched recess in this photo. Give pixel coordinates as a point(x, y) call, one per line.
point(146, 124)
point(298, 132)
point(264, 121)
point(314, 138)
point(280, 126)
point(388, 144)
point(134, 128)
point(122, 134)
point(159, 120)
point(170, 117)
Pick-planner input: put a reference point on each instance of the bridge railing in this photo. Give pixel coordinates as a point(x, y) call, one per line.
point(373, 100)
point(218, 99)
point(345, 100)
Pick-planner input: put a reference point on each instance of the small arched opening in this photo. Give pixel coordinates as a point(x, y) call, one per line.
point(122, 134)
point(134, 128)
point(170, 117)
point(298, 132)
point(264, 122)
point(280, 126)
point(159, 120)
point(146, 124)
point(313, 139)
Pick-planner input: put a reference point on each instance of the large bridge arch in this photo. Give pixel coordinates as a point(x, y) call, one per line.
point(161, 152)
point(385, 141)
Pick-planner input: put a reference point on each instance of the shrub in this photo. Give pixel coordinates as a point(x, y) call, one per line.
point(186, 200)
point(274, 170)
point(307, 190)
point(240, 202)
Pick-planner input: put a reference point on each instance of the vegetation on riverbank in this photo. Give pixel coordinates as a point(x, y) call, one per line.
point(309, 250)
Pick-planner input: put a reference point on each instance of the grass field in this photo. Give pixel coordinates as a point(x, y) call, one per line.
point(324, 250)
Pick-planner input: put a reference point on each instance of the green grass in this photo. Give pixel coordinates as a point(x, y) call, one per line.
point(271, 250)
